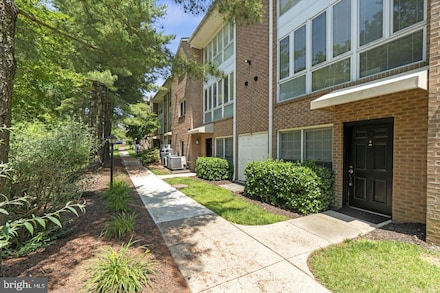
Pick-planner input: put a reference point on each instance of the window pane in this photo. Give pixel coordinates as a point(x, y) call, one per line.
point(341, 27)
point(318, 145)
point(290, 146)
point(403, 51)
point(219, 150)
point(210, 98)
point(370, 21)
point(220, 92)
point(228, 111)
point(331, 75)
point(229, 150)
point(208, 117)
point(299, 47)
point(206, 99)
point(293, 88)
point(407, 13)
point(229, 51)
point(319, 39)
point(285, 5)
point(226, 34)
point(231, 87)
point(218, 114)
point(284, 57)
point(226, 89)
point(214, 95)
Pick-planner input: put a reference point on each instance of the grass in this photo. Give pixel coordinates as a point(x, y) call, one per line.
point(225, 204)
point(377, 266)
point(160, 171)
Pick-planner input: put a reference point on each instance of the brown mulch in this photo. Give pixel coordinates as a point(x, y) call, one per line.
point(65, 262)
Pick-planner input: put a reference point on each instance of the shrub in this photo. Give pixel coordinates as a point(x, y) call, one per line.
point(213, 169)
point(120, 225)
point(120, 270)
point(118, 196)
point(286, 184)
point(149, 156)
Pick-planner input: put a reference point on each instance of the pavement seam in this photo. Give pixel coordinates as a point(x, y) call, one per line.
point(275, 252)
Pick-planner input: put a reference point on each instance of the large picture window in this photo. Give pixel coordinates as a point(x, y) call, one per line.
point(219, 97)
point(306, 145)
point(347, 41)
point(221, 48)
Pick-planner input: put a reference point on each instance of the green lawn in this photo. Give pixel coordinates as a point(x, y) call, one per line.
point(224, 203)
point(377, 266)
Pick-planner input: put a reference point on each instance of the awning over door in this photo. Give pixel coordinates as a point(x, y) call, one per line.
point(408, 81)
point(208, 128)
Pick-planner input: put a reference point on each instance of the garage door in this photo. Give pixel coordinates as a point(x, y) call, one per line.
point(251, 148)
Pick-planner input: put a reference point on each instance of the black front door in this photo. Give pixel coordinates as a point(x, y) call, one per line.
point(209, 147)
point(369, 165)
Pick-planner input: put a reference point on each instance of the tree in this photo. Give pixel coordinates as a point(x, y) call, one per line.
point(141, 121)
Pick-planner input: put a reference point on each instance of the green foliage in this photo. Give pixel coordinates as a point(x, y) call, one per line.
point(10, 230)
point(140, 121)
point(120, 270)
point(120, 225)
point(149, 156)
point(303, 188)
point(213, 169)
point(47, 161)
point(118, 196)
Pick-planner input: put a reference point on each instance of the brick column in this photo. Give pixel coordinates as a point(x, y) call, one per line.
point(433, 155)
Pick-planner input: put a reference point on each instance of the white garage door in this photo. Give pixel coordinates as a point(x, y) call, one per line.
point(251, 148)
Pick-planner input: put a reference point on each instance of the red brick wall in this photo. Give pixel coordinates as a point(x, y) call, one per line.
point(433, 152)
point(252, 101)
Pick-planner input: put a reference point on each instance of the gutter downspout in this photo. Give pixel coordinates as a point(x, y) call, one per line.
point(270, 130)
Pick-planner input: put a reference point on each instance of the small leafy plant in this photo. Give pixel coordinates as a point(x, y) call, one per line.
point(121, 270)
point(120, 225)
point(118, 197)
point(213, 169)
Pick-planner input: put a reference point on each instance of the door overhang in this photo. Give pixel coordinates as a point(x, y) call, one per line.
point(408, 81)
point(208, 128)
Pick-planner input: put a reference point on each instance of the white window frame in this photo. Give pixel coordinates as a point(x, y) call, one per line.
point(356, 50)
point(303, 131)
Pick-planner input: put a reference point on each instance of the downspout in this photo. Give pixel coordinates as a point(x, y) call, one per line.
point(234, 121)
point(270, 130)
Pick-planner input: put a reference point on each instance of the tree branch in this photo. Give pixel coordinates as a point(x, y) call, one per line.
point(64, 34)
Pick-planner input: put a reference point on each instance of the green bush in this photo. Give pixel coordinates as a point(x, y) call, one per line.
point(304, 188)
point(120, 225)
point(213, 169)
point(149, 156)
point(118, 196)
point(120, 270)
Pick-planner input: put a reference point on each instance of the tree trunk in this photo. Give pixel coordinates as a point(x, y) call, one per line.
point(8, 17)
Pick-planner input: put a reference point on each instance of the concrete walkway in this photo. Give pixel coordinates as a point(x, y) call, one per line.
point(215, 255)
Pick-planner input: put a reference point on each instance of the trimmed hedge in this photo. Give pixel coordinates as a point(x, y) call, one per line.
point(150, 155)
point(305, 188)
point(213, 169)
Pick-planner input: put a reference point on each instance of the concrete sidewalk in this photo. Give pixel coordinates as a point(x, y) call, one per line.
point(215, 255)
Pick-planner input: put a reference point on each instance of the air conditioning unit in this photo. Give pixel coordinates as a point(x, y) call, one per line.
point(176, 162)
point(164, 161)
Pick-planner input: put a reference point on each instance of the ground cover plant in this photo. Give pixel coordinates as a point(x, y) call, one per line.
point(377, 266)
point(226, 204)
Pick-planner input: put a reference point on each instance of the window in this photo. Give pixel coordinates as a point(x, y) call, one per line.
point(182, 110)
point(370, 21)
point(224, 148)
point(221, 48)
point(319, 40)
point(341, 27)
point(306, 145)
point(182, 148)
point(284, 57)
point(320, 51)
point(407, 13)
point(299, 49)
point(285, 5)
point(219, 96)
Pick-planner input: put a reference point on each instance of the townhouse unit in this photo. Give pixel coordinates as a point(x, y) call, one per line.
point(351, 84)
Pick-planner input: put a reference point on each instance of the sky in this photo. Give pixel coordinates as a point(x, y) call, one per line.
point(178, 23)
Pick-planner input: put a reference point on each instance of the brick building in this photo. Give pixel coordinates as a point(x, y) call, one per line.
point(350, 84)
